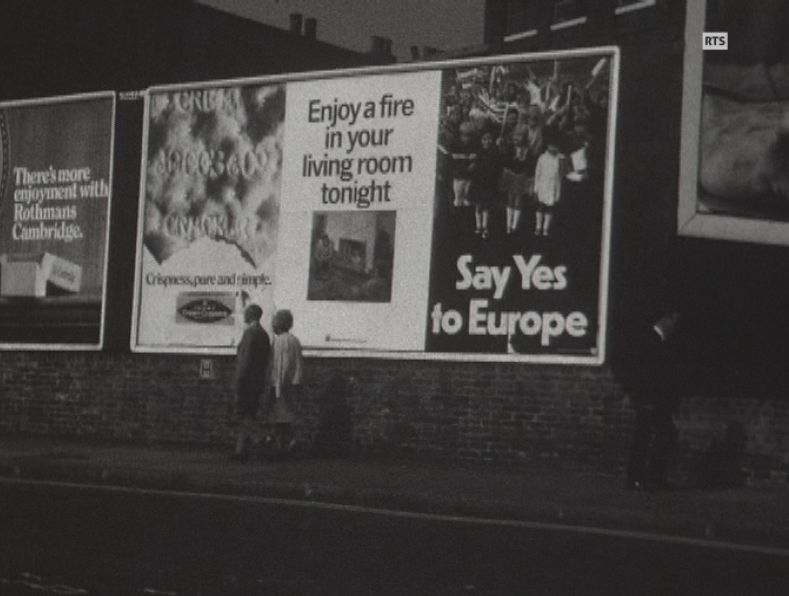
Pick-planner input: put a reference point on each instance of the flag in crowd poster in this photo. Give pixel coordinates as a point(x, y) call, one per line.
point(454, 210)
point(55, 182)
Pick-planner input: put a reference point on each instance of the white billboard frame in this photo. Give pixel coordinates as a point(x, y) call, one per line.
point(597, 358)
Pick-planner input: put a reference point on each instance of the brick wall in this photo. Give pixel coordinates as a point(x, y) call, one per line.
point(140, 399)
point(504, 413)
point(703, 422)
point(445, 410)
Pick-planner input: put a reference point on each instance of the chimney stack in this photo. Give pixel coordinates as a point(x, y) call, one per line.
point(295, 23)
point(381, 47)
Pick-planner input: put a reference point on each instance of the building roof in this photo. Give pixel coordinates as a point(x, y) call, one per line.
point(52, 47)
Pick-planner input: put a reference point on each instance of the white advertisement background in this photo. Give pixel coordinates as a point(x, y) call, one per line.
point(158, 303)
point(231, 272)
point(398, 324)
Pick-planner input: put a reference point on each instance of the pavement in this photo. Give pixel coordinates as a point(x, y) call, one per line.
point(755, 515)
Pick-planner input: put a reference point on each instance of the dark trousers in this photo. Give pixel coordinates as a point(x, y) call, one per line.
point(653, 444)
point(247, 404)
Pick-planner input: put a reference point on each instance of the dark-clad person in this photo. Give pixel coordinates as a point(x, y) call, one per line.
point(653, 375)
point(252, 364)
point(286, 381)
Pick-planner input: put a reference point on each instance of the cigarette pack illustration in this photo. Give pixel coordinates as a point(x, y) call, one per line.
point(38, 276)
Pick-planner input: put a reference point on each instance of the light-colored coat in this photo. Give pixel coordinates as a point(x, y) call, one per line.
point(286, 377)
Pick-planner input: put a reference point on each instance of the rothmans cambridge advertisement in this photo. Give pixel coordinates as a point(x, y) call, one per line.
point(456, 210)
point(55, 181)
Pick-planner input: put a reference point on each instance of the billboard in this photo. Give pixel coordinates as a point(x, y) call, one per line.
point(447, 210)
point(55, 185)
point(734, 181)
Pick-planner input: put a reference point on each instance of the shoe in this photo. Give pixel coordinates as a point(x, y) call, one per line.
point(485, 233)
point(478, 231)
point(635, 485)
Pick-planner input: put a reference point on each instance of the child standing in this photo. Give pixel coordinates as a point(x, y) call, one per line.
point(548, 183)
point(516, 177)
point(462, 153)
point(485, 173)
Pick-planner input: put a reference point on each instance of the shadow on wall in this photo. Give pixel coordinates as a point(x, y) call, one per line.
point(334, 437)
point(720, 465)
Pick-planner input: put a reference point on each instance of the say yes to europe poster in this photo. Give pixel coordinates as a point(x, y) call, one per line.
point(454, 210)
point(55, 183)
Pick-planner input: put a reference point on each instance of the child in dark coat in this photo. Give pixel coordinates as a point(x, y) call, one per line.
point(485, 174)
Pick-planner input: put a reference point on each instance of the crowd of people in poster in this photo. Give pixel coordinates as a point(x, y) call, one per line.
point(510, 138)
point(520, 177)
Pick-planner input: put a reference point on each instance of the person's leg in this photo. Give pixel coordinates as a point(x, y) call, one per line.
point(546, 223)
point(639, 450)
point(287, 436)
point(457, 190)
point(516, 219)
point(464, 200)
point(245, 413)
point(283, 438)
point(662, 449)
point(245, 425)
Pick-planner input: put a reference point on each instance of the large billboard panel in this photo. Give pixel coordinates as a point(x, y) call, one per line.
point(55, 185)
point(454, 210)
point(734, 178)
